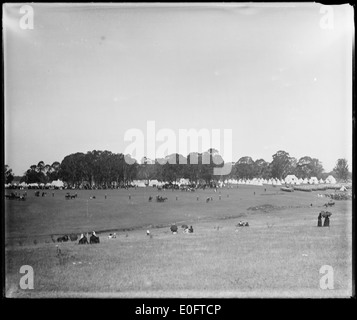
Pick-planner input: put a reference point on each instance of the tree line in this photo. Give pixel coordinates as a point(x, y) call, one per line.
point(104, 168)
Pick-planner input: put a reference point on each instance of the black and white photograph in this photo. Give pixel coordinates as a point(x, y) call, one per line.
point(178, 150)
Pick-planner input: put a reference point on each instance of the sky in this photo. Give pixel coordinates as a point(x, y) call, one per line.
point(278, 76)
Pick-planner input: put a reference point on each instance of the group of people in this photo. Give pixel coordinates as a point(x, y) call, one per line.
point(187, 229)
point(326, 221)
point(243, 224)
point(92, 239)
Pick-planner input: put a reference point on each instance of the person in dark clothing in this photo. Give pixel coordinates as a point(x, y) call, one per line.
point(319, 220)
point(174, 228)
point(327, 221)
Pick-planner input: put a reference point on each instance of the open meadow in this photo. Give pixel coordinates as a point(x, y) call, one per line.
point(280, 254)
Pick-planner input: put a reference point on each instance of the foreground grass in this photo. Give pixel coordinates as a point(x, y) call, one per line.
point(279, 255)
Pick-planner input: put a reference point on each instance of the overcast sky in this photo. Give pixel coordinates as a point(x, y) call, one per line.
point(85, 74)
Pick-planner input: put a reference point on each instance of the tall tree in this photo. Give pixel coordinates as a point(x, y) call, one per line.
point(261, 169)
point(9, 176)
point(341, 169)
point(53, 171)
point(31, 175)
point(308, 167)
point(281, 164)
point(244, 168)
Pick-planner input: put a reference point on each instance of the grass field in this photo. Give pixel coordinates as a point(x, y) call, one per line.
point(279, 255)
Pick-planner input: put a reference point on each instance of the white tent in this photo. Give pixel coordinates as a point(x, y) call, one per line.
point(139, 183)
point(291, 179)
point(313, 180)
point(33, 185)
point(306, 181)
point(23, 184)
point(321, 181)
point(57, 183)
point(182, 182)
point(343, 188)
point(330, 179)
point(153, 183)
point(256, 182)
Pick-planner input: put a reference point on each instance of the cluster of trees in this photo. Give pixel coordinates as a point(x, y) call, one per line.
point(102, 168)
point(281, 166)
point(9, 176)
point(42, 173)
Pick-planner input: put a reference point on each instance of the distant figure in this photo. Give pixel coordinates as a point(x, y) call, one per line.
point(53, 194)
point(327, 221)
point(105, 196)
point(173, 228)
point(64, 238)
point(254, 192)
point(190, 230)
point(147, 232)
point(83, 239)
point(265, 189)
point(93, 238)
point(319, 220)
point(150, 198)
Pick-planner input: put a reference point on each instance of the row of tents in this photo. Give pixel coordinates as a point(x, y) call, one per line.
point(53, 184)
point(290, 180)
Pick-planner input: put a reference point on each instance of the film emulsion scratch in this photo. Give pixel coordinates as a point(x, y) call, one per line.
point(178, 151)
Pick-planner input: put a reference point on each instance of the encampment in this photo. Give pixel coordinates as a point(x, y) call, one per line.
point(330, 179)
point(57, 183)
point(291, 179)
point(313, 180)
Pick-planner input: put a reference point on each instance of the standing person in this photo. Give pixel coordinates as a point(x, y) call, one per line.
point(327, 221)
point(319, 220)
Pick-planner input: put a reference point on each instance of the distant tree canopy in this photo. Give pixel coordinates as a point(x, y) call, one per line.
point(9, 176)
point(103, 168)
point(281, 164)
point(308, 167)
point(341, 170)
